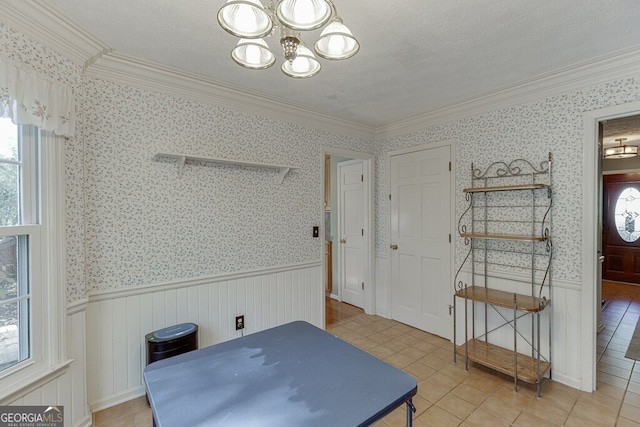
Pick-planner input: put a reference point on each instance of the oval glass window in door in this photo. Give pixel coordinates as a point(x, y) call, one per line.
point(627, 211)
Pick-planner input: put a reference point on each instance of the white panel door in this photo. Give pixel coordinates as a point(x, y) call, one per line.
point(352, 217)
point(420, 240)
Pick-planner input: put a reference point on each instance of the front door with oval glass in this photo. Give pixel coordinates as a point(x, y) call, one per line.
point(621, 221)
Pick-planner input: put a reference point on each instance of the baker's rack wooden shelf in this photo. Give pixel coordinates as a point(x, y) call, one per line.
point(511, 233)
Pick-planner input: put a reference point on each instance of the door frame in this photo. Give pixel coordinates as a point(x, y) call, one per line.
point(591, 177)
point(451, 143)
point(369, 271)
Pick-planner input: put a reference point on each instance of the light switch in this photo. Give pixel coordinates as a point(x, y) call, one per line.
point(316, 231)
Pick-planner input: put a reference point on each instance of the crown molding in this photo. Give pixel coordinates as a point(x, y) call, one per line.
point(46, 25)
point(614, 66)
point(137, 72)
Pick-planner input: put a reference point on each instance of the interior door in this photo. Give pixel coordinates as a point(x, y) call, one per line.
point(352, 217)
point(621, 237)
point(420, 239)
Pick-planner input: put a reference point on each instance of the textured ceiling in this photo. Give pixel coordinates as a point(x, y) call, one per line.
point(416, 55)
point(627, 128)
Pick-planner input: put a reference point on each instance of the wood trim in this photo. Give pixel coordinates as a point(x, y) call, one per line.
point(185, 283)
point(611, 66)
point(128, 70)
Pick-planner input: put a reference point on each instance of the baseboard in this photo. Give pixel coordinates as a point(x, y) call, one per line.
point(383, 312)
point(110, 401)
point(566, 380)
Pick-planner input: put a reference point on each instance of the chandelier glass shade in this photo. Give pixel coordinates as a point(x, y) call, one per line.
point(620, 151)
point(303, 15)
point(336, 42)
point(253, 53)
point(251, 21)
point(245, 18)
point(304, 64)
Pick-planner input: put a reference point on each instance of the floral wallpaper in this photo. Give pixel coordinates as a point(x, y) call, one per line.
point(130, 220)
point(19, 48)
point(527, 131)
point(145, 224)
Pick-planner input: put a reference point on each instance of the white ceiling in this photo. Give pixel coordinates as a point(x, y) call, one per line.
point(416, 56)
point(626, 128)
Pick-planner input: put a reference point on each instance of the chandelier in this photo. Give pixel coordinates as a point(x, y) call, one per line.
point(620, 151)
point(251, 21)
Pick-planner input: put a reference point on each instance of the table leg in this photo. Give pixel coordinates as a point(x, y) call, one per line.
point(410, 411)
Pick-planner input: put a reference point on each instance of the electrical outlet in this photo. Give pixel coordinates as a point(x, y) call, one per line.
point(239, 322)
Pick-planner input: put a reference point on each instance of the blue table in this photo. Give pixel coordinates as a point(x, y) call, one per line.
point(291, 375)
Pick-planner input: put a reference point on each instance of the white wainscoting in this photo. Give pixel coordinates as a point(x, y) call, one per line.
point(566, 315)
point(118, 321)
point(566, 318)
point(77, 350)
point(69, 388)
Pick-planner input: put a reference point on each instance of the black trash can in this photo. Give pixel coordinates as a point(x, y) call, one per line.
point(171, 341)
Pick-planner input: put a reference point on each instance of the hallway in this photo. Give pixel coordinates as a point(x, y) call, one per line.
point(619, 316)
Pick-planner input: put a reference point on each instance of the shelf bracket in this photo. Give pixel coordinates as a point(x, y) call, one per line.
point(282, 172)
point(180, 163)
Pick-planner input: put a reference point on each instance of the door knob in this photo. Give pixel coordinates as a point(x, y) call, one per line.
point(394, 247)
point(343, 240)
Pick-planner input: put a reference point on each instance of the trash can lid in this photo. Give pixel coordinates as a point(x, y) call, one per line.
point(172, 332)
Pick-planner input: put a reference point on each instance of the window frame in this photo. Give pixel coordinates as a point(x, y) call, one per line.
point(45, 212)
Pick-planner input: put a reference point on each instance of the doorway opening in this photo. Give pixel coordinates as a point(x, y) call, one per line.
point(348, 231)
point(619, 281)
point(592, 256)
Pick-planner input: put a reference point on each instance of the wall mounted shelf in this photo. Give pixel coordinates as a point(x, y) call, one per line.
point(181, 159)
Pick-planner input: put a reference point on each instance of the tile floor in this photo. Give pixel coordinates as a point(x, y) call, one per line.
point(450, 396)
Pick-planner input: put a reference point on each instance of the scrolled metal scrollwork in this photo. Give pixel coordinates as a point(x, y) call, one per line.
point(459, 285)
point(549, 247)
point(545, 224)
point(517, 167)
point(462, 228)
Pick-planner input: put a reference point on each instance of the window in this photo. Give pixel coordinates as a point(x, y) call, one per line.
point(19, 234)
point(627, 210)
point(32, 312)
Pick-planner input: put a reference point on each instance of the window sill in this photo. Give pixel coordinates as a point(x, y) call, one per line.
point(20, 385)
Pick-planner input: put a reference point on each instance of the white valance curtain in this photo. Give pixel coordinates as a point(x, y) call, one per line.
point(31, 99)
